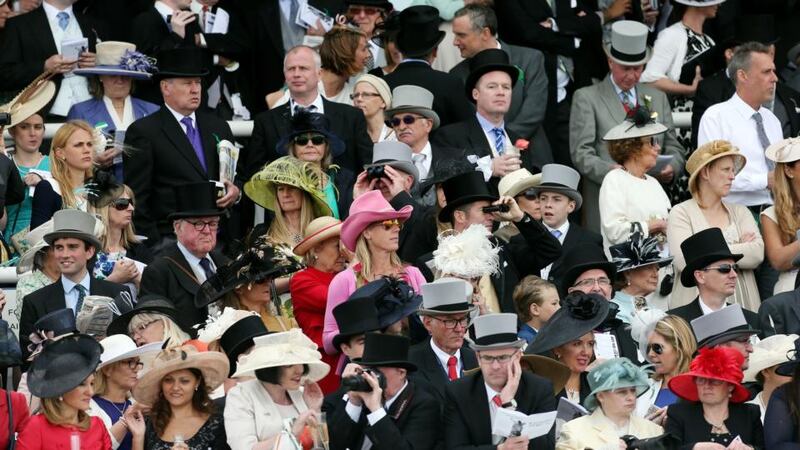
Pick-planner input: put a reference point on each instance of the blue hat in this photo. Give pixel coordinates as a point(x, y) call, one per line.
point(615, 374)
point(394, 299)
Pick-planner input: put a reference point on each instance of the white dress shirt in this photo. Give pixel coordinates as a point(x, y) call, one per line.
point(74, 89)
point(194, 263)
point(443, 357)
point(618, 90)
point(71, 293)
point(564, 229)
point(163, 9)
point(706, 309)
point(317, 103)
point(490, 393)
point(354, 412)
point(178, 116)
point(733, 121)
point(487, 128)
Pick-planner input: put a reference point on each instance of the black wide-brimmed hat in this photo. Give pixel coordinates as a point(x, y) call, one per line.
point(442, 169)
point(103, 188)
point(394, 299)
point(463, 189)
point(195, 200)
point(637, 252)
point(485, 61)
point(239, 337)
point(308, 122)
point(146, 304)
point(63, 364)
point(419, 31)
point(580, 314)
point(58, 322)
point(583, 257)
point(701, 249)
point(353, 317)
point(181, 62)
point(386, 350)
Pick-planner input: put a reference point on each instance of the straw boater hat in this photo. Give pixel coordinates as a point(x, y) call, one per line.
point(494, 331)
point(317, 231)
point(561, 179)
point(120, 347)
point(213, 366)
point(283, 349)
point(785, 151)
point(769, 352)
point(628, 44)
point(63, 364)
point(615, 374)
point(31, 100)
point(367, 209)
point(262, 187)
point(701, 249)
point(712, 151)
point(640, 122)
point(412, 99)
point(73, 223)
point(721, 326)
point(718, 363)
point(580, 314)
point(446, 296)
point(119, 58)
point(518, 182)
point(396, 155)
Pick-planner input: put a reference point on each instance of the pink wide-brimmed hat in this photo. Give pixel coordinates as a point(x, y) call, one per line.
point(366, 209)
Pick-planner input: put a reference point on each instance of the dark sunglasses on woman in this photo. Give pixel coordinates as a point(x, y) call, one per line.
point(655, 348)
point(316, 139)
point(121, 204)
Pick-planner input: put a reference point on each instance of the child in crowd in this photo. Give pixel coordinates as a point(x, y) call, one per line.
point(535, 300)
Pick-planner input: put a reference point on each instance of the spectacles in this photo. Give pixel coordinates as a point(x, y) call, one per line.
point(358, 10)
point(450, 324)
point(407, 119)
point(502, 359)
point(140, 329)
point(589, 282)
point(723, 268)
point(135, 364)
point(316, 139)
point(391, 223)
point(366, 95)
point(655, 348)
point(700, 381)
point(200, 225)
point(121, 204)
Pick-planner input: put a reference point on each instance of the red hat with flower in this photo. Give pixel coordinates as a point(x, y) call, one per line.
point(717, 363)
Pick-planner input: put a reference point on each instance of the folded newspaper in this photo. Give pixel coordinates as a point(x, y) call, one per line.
point(509, 423)
point(228, 157)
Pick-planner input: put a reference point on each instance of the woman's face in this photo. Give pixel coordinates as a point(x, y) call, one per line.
point(77, 153)
point(179, 387)
point(116, 87)
point(530, 205)
point(648, 155)
point(120, 219)
point(719, 175)
point(255, 292)
point(710, 11)
point(124, 373)
point(367, 99)
point(618, 402)
point(329, 256)
point(383, 235)
point(310, 151)
point(642, 281)
point(362, 54)
point(28, 134)
point(663, 355)
point(290, 377)
point(290, 199)
point(577, 354)
point(712, 392)
point(80, 396)
point(148, 332)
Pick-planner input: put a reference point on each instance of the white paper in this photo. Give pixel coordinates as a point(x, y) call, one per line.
point(567, 410)
point(533, 426)
point(606, 346)
point(228, 158)
point(307, 16)
point(661, 162)
point(71, 49)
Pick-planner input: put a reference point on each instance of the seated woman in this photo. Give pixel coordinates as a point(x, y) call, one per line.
point(177, 388)
point(62, 375)
point(763, 366)
point(372, 96)
point(712, 168)
point(153, 319)
point(782, 420)
point(615, 385)
point(255, 409)
point(714, 411)
point(72, 151)
point(638, 261)
point(28, 135)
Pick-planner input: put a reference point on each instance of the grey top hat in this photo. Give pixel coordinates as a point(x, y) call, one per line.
point(396, 155)
point(73, 223)
point(446, 296)
point(721, 326)
point(413, 99)
point(628, 44)
point(561, 179)
point(494, 331)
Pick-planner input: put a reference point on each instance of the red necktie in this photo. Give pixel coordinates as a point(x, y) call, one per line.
point(451, 368)
point(497, 401)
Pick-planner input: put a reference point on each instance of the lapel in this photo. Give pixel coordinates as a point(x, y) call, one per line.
point(86, 29)
point(694, 309)
point(468, 359)
point(100, 112)
point(435, 370)
point(284, 118)
point(45, 36)
point(58, 300)
point(791, 106)
point(601, 426)
point(794, 304)
point(482, 419)
point(209, 145)
point(188, 283)
point(573, 234)
point(477, 138)
point(175, 134)
point(611, 100)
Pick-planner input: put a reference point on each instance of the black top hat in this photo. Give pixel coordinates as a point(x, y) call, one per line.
point(146, 304)
point(239, 337)
point(308, 122)
point(63, 364)
point(754, 28)
point(196, 200)
point(485, 61)
point(585, 257)
point(419, 31)
point(702, 249)
point(386, 350)
point(181, 62)
point(58, 322)
point(462, 189)
point(580, 314)
point(394, 299)
point(355, 316)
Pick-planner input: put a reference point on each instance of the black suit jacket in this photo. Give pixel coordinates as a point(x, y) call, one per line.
point(408, 424)
point(171, 277)
point(51, 298)
point(467, 423)
point(430, 369)
point(575, 235)
point(116, 13)
point(151, 34)
point(686, 422)
point(28, 42)
point(163, 158)
point(449, 99)
point(692, 311)
point(780, 314)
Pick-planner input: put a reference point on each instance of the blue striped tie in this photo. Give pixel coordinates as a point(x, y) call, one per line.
point(499, 140)
point(63, 20)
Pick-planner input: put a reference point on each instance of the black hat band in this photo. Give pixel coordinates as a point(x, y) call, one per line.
point(626, 56)
point(500, 338)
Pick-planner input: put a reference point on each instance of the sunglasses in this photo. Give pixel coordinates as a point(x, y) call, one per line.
point(357, 10)
point(316, 139)
point(391, 223)
point(655, 348)
point(408, 120)
point(723, 268)
point(121, 204)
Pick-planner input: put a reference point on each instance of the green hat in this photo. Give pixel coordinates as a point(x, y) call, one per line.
point(290, 171)
point(615, 374)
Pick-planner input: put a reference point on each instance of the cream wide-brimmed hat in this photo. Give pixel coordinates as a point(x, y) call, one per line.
point(317, 231)
point(120, 347)
point(785, 151)
point(31, 100)
point(768, 352)
point(283, 349)
point(712, 151)
point(518, 182)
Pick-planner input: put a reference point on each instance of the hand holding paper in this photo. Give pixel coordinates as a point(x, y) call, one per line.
point(507, 421)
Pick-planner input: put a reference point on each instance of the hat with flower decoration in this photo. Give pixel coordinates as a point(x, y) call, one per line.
point(639, 122)
point(580, 314)
point(115, 58)
point(717, 363)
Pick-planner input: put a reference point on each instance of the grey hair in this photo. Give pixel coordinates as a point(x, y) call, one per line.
point(742, 58)
point(297, 48)
point(480, 17)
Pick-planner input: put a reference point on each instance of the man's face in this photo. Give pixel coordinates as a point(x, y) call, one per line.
point(197, 234)
point(354, 347)
point(625, 77)
point(467, 40)
point(182, 94)
point(760, 80)
point(593, 281)
point(72, 255)
point(494, 364)
point(555, 208)
point(300, 71)
point(447, 330)
point(711, 280)
point(743, 345)
point(414, 134)
point(474, 214)
point(492, 93)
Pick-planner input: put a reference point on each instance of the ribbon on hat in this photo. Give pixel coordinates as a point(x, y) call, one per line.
point(137, 62)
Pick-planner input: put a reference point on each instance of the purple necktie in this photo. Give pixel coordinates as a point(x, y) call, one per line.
point(194, 139)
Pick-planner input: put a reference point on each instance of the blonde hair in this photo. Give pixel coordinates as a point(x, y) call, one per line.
point(172, 331)
point(786, 203)
point(676, 331)
point(278, 231)
point(101, 379)
point(128, 234)
point(529, 291)
point(59, 167)
point(55, 411)
point(364, 256)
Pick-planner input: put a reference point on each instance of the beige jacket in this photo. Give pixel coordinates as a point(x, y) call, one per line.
point(595, 431)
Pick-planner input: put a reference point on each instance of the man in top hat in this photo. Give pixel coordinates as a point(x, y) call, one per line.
point(395, 413)
point(74, 246)
point(175, 145)
point(726, 327)
point(471, 403)
point(475, 30)
point(558, 198)
point(711, 267)
point(601, 107)
point(445, 312)
point(184, 265)
point(418, 40)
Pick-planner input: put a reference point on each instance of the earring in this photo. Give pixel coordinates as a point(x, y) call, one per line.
point(60, 398)
point(196, 388)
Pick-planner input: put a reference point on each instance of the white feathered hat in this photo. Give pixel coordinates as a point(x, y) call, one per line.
point(469, 254)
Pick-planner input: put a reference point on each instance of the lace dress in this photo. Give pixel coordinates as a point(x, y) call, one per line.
point(210, 436)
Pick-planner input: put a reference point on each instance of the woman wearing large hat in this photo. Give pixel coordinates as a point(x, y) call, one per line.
point(153, 319)
point(763, 364)
point(176, 389)
point(782, 421)
point(255, 410)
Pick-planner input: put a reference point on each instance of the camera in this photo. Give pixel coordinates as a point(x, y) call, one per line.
point(496, 208)
point(358, 383)
point(375, 172)
point(5, 119)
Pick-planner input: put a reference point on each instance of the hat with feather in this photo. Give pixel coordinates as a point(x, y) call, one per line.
point(639, 122)
point(102, 189)
point(307, 122)
point(614, 374)
point(636, 252)
point(717, 363)
point(469, 254)
point(262, 187)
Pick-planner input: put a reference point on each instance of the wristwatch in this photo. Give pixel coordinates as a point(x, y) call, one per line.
point(512, 404)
